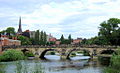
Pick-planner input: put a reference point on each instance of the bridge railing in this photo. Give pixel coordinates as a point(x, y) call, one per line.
point(58, 46)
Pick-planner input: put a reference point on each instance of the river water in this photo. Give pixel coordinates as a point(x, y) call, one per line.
point(53, 64)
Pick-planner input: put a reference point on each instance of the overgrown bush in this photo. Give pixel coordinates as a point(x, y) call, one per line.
point(29, 54)
point(114, 66)
point(12, 55)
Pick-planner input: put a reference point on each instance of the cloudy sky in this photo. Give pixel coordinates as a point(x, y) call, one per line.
point(80, 18)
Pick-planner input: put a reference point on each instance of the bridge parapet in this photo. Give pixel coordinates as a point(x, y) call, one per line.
point(38, 46)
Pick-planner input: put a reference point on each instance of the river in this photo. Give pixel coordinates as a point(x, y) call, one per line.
point(53, 64)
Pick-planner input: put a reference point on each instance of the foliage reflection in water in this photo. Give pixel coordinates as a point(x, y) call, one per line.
point(53, 65)
point(21, 67)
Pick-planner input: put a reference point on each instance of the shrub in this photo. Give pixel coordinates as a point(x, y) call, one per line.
point(52, 53)
point(29, 54)
point(12, 55)
point(114, 66)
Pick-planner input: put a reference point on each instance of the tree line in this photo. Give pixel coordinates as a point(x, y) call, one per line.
point(40, 37)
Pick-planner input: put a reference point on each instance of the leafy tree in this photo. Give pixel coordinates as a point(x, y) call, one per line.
point(24, 40)
point(10, 31)
point(109, 31)
point(37, 38)
point(45, 38)
point(32, 40)
point(69, 39)
point(3, 32)
point(41, 38)
point(62, 39)
point(84, 41)
point(50, 43)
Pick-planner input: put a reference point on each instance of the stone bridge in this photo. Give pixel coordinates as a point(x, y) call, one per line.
point(63, 52)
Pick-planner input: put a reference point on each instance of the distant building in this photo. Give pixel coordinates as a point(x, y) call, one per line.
point(32, 34)
point(26, 33)
point(5, 41)
point(50, 38)
point(77, 41)
point(20, 28)
point(57, 42)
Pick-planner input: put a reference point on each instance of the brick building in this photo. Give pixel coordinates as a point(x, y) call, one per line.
point(50, 38)
point(77, 41)
point(5, 41)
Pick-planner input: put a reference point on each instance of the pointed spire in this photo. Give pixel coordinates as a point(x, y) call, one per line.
point(20, 22)
point(19, 29)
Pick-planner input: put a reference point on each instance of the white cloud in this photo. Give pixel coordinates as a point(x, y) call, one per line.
point(79, 17)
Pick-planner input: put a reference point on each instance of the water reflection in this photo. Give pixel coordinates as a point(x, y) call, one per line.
point(53, 65)
point(29, 67)
point(22, 67)
point(2, 67)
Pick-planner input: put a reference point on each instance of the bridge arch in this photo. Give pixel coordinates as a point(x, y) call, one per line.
point(45, 51)
point(69, 53)
point(108, 51)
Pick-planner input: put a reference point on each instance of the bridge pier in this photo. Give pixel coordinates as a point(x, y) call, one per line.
point(63, 57)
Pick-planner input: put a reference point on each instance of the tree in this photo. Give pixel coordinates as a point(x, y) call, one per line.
point(45, 38)
point(10, 31)
point(3, 32)
point(69, 39)
point(62, 39)
point(32, 40)
point(37, 38)
point(41, 38)
point(84, 41)
point(109, 31)
point(24, 40)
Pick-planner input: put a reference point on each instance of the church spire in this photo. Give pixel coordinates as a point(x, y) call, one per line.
point(19, 29)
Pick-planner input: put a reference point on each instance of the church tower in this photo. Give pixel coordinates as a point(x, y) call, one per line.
point(19, 29)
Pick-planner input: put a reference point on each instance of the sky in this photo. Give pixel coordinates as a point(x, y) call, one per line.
point(80, 18)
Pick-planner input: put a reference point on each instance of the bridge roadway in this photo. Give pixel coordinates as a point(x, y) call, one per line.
point(64, 52)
